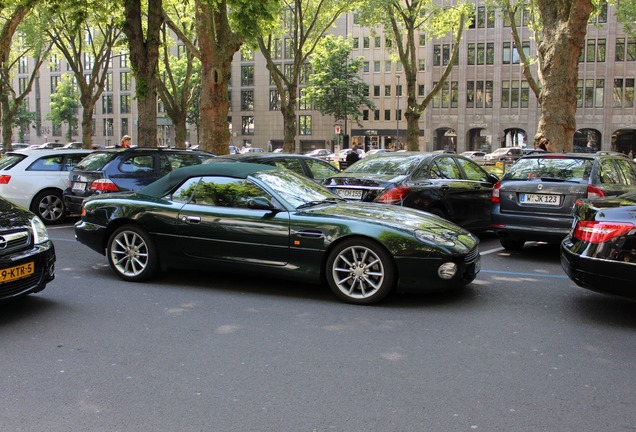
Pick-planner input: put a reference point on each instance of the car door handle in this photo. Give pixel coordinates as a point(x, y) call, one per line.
point(191, 219)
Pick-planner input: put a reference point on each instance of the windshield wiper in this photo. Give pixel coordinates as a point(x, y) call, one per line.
point(319, 202)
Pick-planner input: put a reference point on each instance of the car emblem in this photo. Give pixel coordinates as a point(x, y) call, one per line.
point(540, 187)
point(3, 243)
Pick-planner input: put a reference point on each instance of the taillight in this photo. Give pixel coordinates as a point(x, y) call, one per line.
point(394, 195)
point(599, 231)
point(104, 185)
point(495, 193)
point(595, 192)
point(4, 179)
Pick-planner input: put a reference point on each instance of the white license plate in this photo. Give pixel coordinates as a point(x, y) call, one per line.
point(350, 193)
point(542, 199)
point(78, 186)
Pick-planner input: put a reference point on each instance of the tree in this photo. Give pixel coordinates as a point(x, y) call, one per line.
point(64, 105)
point(305, 23)
point(403, 21)
point(12, 14)
point(560, 29)
point(86, 35)
point(144, 40)
point(222, 27)
point(180, 75)
point(23, 120)
point(335, 87)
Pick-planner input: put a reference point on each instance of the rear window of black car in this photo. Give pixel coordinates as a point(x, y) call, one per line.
point(391, 165)
point(95, 161)
point(558, 168)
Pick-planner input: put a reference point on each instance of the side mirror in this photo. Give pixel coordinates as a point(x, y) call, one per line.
point(260, 203)
point(492, 178)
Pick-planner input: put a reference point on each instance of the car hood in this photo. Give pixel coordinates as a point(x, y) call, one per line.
point(394, 217)
point(12, 216)
point(363, 179)
point(618, 208)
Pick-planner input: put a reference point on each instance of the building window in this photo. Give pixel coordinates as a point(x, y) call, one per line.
point(107, 104)
point(277, 49)
point(57, 129)
point(365, 115)
point(623, 95)
point(123, 61)
point(421, 90)
point(23, 65)
point(421, 65)
point(422, 39)
point(304, 125)
point(356, 42)
point(625, 49)
point(88, 61)
point(124, 104)
point(365, 66)
point(288, 49)
point(55, 64)
point(387, 114)
point(108, 82)
point(365, 42)
point(22, 84)
point(376, 90)
point(387, 90)
point(377, 41)
point(484, 18)
point(124, 126)
point(55, 80)
point(247, 125)
point(511, 54)
point(247, 75)
point(594, 51)
point(108, 127)
point(247, 100)
point(274, 100)
point(442, 54)
point(388, 66)
point(376, 66)
point(398, 114)
point(303, 101)
point(124, 81)
point(376, 115)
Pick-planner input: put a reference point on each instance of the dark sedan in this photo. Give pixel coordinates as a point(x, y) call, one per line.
point(243, 217)
point(308, 166)
point(448, 185)
point(600, 252)
point(27, 255)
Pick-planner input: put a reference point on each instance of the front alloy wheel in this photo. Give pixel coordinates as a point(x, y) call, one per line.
point(360, 271)
point(131, 253)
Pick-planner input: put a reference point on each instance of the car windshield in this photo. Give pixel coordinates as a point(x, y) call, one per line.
point(388, 165)
point(95, 161)
point(551, 168)
point(294, 189)
point(10, 160)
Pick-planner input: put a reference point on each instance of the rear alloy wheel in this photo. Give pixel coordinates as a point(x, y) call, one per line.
point(49, 206)
point(360, 271)
point(132, 254)
point(512, 245)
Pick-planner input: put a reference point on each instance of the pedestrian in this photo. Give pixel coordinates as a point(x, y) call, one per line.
point(125, 141)
point(269, 146)
point(352, 156)
point(630, 154)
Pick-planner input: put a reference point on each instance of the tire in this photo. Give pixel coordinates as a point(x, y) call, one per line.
point(360, 271)
point(132, 254)
point(512, 245)
point(49, 206)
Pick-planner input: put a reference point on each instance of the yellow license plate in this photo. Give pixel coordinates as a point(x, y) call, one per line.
point(17, 272)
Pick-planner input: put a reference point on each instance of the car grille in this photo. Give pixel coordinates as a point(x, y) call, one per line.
point(472, 256)
point(20, 286)
point(13, 241)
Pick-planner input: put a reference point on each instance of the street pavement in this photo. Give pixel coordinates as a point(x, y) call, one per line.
point(521, 349)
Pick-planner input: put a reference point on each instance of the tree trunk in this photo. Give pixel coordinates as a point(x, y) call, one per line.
point(87, 125)
point(412, 130)
point(218, 44)
point(144, 58)
point(7, 127)
point(564, 31)
point(180, 129)
point(289, 122)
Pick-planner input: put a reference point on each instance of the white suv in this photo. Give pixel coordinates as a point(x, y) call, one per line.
point(503, 154)
point(35, 179)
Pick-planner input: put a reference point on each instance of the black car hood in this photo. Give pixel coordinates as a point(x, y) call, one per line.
point(363, 179)
point(13, 216)
point(617, 208)
point(395, 217)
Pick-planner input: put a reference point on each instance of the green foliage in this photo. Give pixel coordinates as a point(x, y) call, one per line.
point(335, 86)
point(64, 104)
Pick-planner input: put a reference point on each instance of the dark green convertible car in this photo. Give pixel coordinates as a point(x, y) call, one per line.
point(241, 217)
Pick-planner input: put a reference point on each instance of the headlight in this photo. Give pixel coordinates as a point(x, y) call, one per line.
point(40, 234)
point(447, 270)
point(430, 237)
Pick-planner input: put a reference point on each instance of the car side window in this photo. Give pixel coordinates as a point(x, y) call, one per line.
point(173, 161)
point(138, 164)
point(185, 192)
point(320, 171)
point(48, 163)
point(608, 173)
point(224, 192)
point(627, 170)
point(290, 164)
point(472, 171)
point(445, 168)
point(72, 160)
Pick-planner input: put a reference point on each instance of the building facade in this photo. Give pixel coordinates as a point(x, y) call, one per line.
point(486, 102)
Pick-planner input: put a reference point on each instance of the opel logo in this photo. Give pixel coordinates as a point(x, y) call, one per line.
point(3, 243)
point(540, 187)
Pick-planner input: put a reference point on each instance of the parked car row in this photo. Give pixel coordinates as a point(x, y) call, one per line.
point(303, 213)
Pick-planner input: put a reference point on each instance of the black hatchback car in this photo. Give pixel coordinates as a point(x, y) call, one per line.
point(447, 185)
point(124, 169)
point(600, 252)
point(27, 255)
point(536, 196)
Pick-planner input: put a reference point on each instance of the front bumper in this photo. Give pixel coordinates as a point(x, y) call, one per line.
point(43, 258)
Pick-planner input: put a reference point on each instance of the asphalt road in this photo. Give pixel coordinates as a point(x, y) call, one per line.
point(521, 349)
